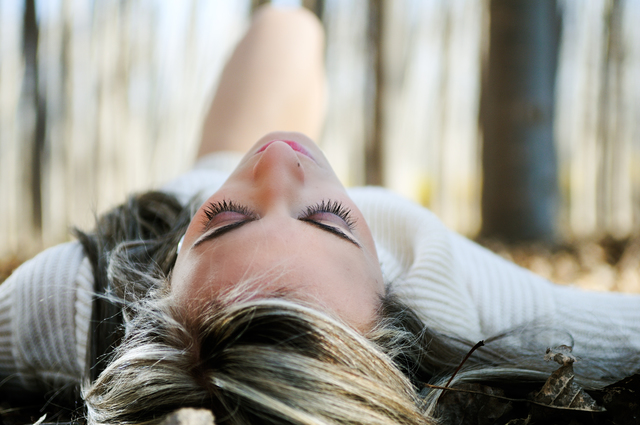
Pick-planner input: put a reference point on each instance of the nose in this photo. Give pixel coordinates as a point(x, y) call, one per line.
point(279, 173)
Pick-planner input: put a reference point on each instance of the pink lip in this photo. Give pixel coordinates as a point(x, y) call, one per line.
point(294, 145)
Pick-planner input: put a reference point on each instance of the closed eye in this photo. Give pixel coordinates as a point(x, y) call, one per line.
point(219, 232)
point(225, 229)
point(328, 209)
point(225, 216)
point(218, 213)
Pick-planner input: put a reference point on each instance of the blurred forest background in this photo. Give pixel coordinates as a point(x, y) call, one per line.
point(515, 121)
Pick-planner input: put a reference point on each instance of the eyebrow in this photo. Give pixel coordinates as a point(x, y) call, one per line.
point(225, 229)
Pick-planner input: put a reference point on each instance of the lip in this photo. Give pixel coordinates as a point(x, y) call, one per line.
point(293, 145)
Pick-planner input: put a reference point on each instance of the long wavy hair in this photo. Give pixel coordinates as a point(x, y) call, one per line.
point(264, 360)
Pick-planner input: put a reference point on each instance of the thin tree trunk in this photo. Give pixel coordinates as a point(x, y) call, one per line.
point(373, 149)
point(36, 104)
point(520, 191)
point(316, 6)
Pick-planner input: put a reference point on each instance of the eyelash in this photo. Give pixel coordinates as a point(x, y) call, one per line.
point(331, 207)
point(215, 208)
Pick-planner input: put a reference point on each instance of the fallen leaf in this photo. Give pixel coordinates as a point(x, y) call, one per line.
point(561, 390)
point(622, 400)
point(477, 408)
point(189, 416)
point(41, 420)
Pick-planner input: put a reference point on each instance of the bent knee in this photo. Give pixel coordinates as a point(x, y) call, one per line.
point(299, 21)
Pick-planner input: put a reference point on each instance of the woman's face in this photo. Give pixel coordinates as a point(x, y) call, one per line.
point(284, 221)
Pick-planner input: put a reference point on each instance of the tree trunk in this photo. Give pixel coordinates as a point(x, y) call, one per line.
point(520, 190)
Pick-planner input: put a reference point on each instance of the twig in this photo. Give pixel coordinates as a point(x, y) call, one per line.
point(474, 348)
point(521, 400)
point(17, 409)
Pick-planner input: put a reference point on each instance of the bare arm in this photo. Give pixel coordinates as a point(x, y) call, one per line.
point(273, 81)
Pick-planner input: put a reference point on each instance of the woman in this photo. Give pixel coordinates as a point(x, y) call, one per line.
point(272, 294)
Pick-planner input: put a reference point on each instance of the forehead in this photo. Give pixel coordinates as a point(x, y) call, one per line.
point(284, 256)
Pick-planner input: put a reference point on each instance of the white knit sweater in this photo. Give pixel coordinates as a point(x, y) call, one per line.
point(455, 286)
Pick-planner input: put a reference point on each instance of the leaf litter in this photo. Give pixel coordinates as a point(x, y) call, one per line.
point(561, 400)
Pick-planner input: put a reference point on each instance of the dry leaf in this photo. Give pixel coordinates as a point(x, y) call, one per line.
point(189, 416)
point(622, 400)
point(520, 421)
point(479, 408)
point(41, 420)
point(561, 390)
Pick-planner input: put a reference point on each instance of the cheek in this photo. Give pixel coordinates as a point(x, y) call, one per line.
point(215, 270)
point(345, 285)
point(369, 246)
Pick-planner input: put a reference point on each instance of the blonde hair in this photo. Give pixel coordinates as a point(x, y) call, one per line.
point(249, 361)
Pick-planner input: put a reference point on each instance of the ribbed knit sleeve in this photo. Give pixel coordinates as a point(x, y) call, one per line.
point(462, 288)
point(41, 305)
